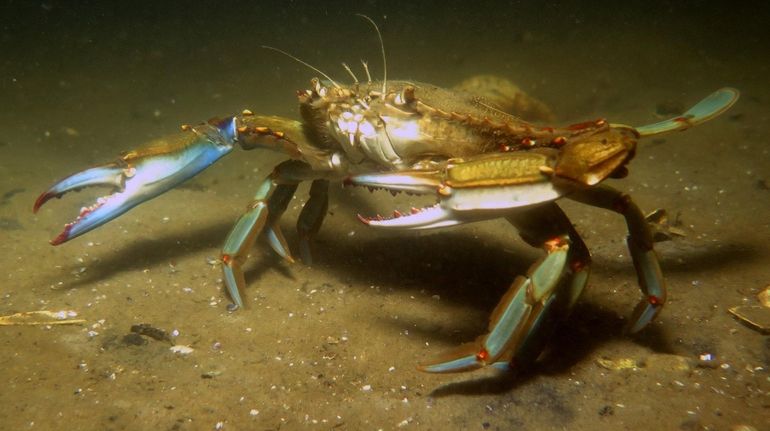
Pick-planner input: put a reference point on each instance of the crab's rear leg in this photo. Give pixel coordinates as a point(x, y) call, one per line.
point(713, 105)
point(263, 213)
point(640, 246)
point(277, 204)
point(524, 319)
point(312, 216)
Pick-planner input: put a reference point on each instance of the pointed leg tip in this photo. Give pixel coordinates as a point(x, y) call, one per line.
point(235, 298)
point(436, 369)
point(429, 368)
point(453, 363)
point(304, 251)
point(237, 303)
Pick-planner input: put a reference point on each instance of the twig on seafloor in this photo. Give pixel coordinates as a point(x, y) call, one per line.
point(41, 317)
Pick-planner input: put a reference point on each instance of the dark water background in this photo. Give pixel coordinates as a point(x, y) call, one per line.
point(333, 346)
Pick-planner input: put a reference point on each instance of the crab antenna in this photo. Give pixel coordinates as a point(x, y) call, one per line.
point(355, 78)
point(490, 107)
point(366, 69)
point(303, 63)
point(382, 48)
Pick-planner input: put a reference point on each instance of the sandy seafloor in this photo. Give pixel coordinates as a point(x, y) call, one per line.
point(334, 346)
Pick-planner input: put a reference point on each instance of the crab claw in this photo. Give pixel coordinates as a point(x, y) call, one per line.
point(415, 182)
point(141, 175)
point(468, 190)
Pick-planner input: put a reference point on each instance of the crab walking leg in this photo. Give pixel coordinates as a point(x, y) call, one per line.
point(311, 217)
point(640, 246)
point(241, 238)
point(521, 323)
point(537, 229)
point(276, 207)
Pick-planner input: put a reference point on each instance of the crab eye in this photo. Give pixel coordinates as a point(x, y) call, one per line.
point(405, 96)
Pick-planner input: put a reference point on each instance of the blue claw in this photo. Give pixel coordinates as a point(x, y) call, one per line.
point(143, 174)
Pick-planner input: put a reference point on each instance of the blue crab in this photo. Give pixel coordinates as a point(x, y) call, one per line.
point(479, 162)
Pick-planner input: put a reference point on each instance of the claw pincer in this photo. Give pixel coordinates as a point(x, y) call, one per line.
point(140, 175)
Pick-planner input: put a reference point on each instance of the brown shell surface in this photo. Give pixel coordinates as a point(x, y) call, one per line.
point(458, 124)
point(506, 96)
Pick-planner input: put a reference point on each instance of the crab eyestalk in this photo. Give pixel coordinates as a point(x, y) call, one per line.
point(140, 175)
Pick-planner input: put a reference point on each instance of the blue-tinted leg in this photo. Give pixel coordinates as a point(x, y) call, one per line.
point(279, 185)
point(640, 246)
point(311, 217)
point(522, 322)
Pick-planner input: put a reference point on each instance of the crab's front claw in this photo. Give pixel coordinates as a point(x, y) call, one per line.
point(472, 189)
point(142, 174)
point(411, 181)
